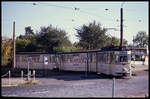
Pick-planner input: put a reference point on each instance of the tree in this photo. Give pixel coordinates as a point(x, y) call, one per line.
point(115, 41)
point(125, 42)
point(76, 46)
point(6, 51)
point(53, 39)
point(141, 39)
point(28, 30)
point(47, 39)
point(26, 43)
point(93, 36)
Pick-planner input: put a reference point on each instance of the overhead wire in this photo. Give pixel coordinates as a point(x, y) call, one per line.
point(70, 8)
point(92, 14)
point(74, 8)
point(58, 6)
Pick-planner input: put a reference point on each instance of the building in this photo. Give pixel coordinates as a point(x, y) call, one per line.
point(139, 54)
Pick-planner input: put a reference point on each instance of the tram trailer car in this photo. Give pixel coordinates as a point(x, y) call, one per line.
point(35, 60)
point(78, 61)
point(116, 63)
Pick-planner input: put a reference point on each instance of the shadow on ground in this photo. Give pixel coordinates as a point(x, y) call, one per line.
point(71, 75)
point(62, 75)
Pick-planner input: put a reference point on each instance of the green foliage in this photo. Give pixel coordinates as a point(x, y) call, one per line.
point(141, 39)
point(115, 41)
point(21, 44)
point(76, 46)
point(125, 42)
point(28, 30)
point(53, 39)
point(94, 36)
point(49, 39)
point(26, 43)
point(6, 51)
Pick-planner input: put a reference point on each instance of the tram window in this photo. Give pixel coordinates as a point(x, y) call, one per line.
point(123, 59)
point(112, 57)
point(94, 58)
point(76, 58)
point(69, 58)
point(35, 58)
point(103, 57)
point(24, 58)
point(53, 58)
point(18, 58)
point(100, 57)
point(63, 58)
point(50, 58)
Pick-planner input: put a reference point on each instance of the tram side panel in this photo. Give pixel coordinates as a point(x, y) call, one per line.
point(73, 62)
point(36, 62)
point(92, 62)
point(106, 63)
point(112, 62)
point(115, 63)
point(23, 62)
point(103, 66)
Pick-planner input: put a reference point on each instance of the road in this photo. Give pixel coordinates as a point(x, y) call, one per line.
point(75, 85)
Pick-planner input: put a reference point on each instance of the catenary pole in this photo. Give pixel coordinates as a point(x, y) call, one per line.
point(14, 47)
point(121, 27)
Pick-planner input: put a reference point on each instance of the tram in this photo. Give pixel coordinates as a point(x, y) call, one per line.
point(109, 61)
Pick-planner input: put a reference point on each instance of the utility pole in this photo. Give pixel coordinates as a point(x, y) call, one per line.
point(121, 28)
point(14, 47)
point(113, 88)
point(87, 65)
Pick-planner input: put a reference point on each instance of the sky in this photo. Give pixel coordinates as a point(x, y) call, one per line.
point(64, 16)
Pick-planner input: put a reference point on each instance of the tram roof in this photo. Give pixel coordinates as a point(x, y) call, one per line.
point(83, 51)
point(108, 48)
point(32, 53)
point(115, 48)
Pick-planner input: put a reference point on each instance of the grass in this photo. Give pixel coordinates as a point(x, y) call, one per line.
point(30, 82)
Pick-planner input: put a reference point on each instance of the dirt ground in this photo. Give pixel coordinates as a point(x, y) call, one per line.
point(138, 70)
point(95, 82)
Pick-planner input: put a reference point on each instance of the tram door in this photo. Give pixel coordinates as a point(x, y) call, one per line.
point(57, 61)
point(54, 61)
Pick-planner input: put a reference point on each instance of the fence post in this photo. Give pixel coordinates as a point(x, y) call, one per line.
point(130, 72)
point(34, 75)
point(9, 74)
point(30, 74)
point(21, 76)
point(113, 88)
